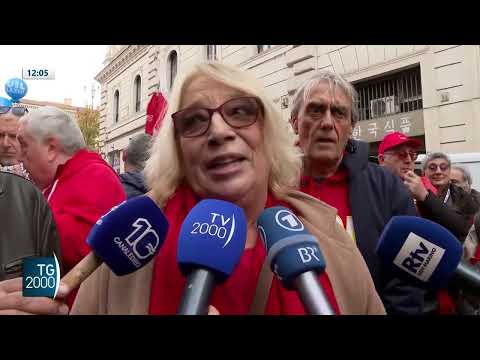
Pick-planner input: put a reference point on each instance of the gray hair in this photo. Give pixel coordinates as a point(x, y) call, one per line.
point(334, 80)
point(466, 173)
point(436, 155)
point(138, 150)
point(49, 121)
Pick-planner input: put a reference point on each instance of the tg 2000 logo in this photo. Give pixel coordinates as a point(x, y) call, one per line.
point(41, 276)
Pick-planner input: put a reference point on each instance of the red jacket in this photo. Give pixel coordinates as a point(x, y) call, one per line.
point(84, 189)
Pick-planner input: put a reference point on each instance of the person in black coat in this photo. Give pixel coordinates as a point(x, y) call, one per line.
point(337, 171)
point(134, 156)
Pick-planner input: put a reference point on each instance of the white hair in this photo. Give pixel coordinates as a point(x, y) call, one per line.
point(49, 121)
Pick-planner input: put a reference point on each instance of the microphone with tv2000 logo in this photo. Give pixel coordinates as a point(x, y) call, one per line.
point(211, 242)
point(126, 238)
point(426, 254)
point(295, 257)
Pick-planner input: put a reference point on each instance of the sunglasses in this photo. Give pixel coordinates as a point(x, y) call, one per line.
point(17, 110)
point(404, 154)
point(433, 167)
point(238, 113)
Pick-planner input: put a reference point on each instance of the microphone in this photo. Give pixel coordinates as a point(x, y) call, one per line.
point(126, 238)
point(211, 241)
point(295, 257)
point(426, 253)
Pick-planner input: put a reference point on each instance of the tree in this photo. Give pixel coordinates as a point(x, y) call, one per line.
point(89, 122)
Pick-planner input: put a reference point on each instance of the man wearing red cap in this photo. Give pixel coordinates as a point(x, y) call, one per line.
point(398, 153)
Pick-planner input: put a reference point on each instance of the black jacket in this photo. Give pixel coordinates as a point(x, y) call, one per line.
point(27, 227)
point(134, 183)
point(375, 195)
point(457, 218)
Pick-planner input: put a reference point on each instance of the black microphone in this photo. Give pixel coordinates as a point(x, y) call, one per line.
point(211, 241)
point(295, 257)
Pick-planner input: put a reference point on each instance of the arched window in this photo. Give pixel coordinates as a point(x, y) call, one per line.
point(172, 68)
point(262, 48)
point(138, 92)
point(211, 52)
point(116, 103)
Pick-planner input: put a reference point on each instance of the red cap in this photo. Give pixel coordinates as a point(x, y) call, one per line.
point(394, 139)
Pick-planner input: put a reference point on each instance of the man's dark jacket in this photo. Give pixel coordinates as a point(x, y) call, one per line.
point(375, 195)
point(134, 183)
point(27, 227)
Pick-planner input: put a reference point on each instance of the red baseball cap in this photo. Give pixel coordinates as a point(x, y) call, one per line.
point(395, 139)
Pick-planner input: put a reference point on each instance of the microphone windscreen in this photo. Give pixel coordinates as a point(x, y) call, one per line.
point(129, 235)
point(212, 236)
point(420, 249)
point(291, 249)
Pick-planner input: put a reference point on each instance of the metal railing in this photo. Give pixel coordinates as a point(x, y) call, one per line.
point(397, 93)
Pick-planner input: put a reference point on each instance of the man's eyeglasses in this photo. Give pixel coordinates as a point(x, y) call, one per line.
point(17, 110)
point(238, 113)
point(404, 154)
point(433, 167)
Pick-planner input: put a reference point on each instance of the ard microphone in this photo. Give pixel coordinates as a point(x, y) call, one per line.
point(295, 257)
point(126, 238)
point(426, 253)
point(210, 244)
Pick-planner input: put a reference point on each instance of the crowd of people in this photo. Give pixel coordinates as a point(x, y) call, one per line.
point(222, 138)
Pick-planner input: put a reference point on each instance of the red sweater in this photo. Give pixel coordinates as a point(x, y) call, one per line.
point(84, 189)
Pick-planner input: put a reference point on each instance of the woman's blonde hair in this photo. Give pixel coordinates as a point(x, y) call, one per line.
point(164, 169)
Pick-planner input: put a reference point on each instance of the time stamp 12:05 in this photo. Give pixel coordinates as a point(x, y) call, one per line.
point(38, 73)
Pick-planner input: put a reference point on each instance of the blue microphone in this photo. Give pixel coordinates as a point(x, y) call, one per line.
point(211, 242)
point(295, 257)
point(126, 238)
point(425, 253)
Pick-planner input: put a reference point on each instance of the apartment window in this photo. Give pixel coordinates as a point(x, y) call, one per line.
point(211, 52)
point(116, 103)
point(172, 68)
point(392, 94)
point(138, 92)
point(262, 48)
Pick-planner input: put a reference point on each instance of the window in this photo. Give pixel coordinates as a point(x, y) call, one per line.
point(114, 160)
point(172, 68)
point(397, 93)
point(262, 48)
point(211, 52)
point(116, 103)
point(138, 92)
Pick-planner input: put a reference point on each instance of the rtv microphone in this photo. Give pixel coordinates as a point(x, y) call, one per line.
point(295, 257)
point(426, 253)
point(126, 238)
point(211, 242)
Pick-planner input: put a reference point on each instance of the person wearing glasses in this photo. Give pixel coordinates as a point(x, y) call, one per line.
point(437, 167)
point(222, 138)
point(9, 146)
point(336, 170)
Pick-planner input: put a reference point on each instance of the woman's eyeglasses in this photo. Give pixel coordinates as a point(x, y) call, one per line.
point(17, 110)
point(238, 113)
point(433, 167)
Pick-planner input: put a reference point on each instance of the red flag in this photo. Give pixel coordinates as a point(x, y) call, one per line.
point(156, 110)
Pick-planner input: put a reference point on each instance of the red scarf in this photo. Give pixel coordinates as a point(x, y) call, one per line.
point(233, 297)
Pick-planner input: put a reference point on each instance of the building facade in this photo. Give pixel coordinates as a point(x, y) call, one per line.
point(65, 106)
point(431, 92)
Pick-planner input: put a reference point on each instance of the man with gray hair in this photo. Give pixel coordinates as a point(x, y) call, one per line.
point(9, 147)
point(134, 157)
point(78, 184)
point(337, 171)
point(460, 176)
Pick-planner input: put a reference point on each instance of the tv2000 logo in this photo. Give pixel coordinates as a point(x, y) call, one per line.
point(213, 229)
point(41, 276)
